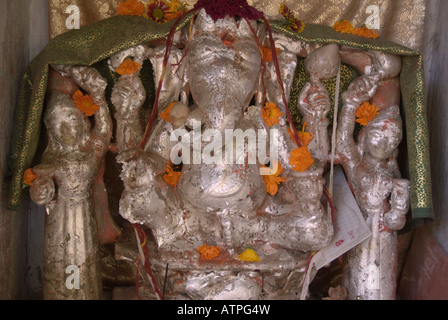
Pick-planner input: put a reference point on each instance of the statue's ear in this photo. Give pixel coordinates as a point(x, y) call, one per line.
point(204, 22)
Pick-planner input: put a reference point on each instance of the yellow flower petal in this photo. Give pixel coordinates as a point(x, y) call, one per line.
point(249, 255)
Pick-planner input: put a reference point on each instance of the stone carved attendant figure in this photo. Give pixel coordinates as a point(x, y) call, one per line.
point(128, 96)
point(372, 170)
point(314, 100)
point(64, 181)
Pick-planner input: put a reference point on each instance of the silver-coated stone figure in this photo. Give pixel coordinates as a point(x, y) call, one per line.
point(371, 167)
point(314, 101)
point(64, 183)
point(220, 203)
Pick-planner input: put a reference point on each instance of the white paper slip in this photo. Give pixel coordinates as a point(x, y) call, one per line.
point(350, 227)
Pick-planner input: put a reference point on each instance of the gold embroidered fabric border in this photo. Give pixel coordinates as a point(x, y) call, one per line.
point(401, 21)
point(97, 41)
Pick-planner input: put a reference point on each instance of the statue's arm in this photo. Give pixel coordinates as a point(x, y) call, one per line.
point(94, 84)
point(360, 90)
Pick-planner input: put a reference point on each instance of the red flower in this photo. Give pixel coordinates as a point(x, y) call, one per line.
point(157, 10)
point(293, 23)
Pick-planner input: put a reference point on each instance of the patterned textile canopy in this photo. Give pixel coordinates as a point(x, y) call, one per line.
point(97, 41)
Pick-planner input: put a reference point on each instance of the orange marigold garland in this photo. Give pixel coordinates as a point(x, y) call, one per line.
point(28, 177)
point(301, 159)
point(273, 180)
point(130, 8)
point(85, 103)
point(366, 113)
point(128, 67)
point(366, 32)
point(345, 26)
point(208, 252)
point(271, 114)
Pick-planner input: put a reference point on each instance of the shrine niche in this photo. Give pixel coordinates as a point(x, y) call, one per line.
point(192, 155)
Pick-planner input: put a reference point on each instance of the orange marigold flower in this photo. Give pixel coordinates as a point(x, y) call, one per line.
point(301, 159)
point(266, 53)
point(304, 137)
point(165, 115)
point(176, 9)
point(366, 113)
point(249, 255)
point(273, 180)
point(343, 26)
point(171, 176)
point(346, 27)
point(28, 177)
point(365, 32)
point(85, 103)
point(131, 8)
point(208, 252)
point(128, 67)
point(271, 114)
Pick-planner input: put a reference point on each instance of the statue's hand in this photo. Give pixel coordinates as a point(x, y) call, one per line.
point(396, 218)
point(361, 90)
point(304, 104)
point(400, 195)
point(43, 190)
point(319, 99)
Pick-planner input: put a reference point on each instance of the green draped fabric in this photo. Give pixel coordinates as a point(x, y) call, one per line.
point(94, 43)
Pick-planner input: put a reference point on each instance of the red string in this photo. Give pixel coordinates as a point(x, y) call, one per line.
point(309, 261)
point(143, 239)
point(331, 203)
point(169, 46)
point(280, 82)
point(262, 61)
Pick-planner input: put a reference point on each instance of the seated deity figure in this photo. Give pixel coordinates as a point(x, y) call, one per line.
point(64, 183)
point(372, 170)
point(219, 203)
